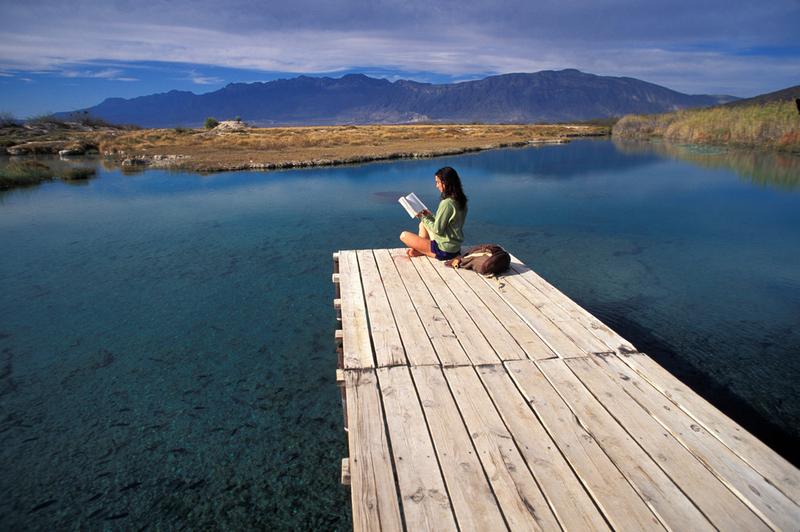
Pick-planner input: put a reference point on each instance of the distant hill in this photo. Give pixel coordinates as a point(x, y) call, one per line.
point(778, 96)
point(541, 97)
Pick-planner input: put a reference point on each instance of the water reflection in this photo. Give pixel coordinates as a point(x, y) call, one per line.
point(766, 168)
point(555, 162)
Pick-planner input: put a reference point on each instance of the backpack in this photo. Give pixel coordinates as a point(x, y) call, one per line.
point(486, 259)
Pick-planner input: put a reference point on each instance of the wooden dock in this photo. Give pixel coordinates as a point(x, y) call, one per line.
point(492, 404)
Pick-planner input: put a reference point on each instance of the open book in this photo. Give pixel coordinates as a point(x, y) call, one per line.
point(412, 204)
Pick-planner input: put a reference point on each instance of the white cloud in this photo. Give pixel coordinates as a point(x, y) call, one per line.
point(199, 79)
point(113, 74)
point(640, 40)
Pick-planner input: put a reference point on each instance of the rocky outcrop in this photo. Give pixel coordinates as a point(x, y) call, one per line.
point(154, 161)
point(51, 147)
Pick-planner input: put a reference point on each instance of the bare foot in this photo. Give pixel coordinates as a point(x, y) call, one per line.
point(411, 252)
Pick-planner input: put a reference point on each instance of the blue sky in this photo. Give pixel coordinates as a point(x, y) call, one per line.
point(58, 56)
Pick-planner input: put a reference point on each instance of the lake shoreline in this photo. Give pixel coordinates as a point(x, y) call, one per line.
point(233, 146)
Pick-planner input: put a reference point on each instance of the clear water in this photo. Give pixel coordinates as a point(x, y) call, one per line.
point(166, 340)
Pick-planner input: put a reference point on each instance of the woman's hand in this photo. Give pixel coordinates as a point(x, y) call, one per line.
point(424, 213)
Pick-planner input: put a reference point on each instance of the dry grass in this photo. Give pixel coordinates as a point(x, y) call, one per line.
point(305, 146)
point(24, 173)
point(773, 125)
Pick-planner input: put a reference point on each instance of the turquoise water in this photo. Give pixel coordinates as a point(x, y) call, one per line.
point(166, 340)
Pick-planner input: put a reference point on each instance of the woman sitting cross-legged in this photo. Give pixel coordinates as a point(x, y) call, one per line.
point(440, 236)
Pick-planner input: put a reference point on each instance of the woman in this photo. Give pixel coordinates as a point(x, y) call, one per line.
point(440, 236)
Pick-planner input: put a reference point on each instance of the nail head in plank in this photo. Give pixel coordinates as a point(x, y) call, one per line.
point(424, 498)
point(712, 497)
point(419, 349)
point(357, 346)
point(622, 506)
point(444, 340)
point(571, 503)
point(478, 349)
point(579, 334)
point(373, 489)
point(503, 343)
point(614, 341)
point(548, 331)
point(524, 335)
point(760, 494)
point(473, 502)
point(520, 498)
point(385, 338)
point(767, 462)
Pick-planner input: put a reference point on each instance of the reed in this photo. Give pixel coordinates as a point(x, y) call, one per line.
point(24, 173)
point(774, 125)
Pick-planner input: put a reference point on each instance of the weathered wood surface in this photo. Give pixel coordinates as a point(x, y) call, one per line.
point(491, 404)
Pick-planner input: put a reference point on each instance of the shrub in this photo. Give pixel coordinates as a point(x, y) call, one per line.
point(24, 173)
point(85, 119)
point(773, 125)
point(45, 119)
point(180, 130)
point(8, 120)
point(238, 119)
point(211, 122)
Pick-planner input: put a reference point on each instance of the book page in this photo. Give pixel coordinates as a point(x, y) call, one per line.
point(412, 204)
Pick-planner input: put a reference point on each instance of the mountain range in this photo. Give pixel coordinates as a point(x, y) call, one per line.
point(541, 97)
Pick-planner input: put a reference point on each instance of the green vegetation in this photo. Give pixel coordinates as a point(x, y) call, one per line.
point(211, 123)
point(25, 173)
point(32, 172)
point(180, 130)
point(77, 174)
point(9, 120)
point(47, 119)
point(85, 119)
point(774, 125)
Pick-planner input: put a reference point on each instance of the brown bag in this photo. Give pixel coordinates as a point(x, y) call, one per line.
point(486, 259)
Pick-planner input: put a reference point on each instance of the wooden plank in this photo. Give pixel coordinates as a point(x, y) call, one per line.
point(712, 497)
point(345, 472)
point(419, 349)
point(478, 349)
point(373, 489)
point(520, 498)
point(448, 348)
point(474, 503)
point(426, 505)
point(760, 494)
point(567, 497)
point(357, 347)
point(503, 343)
point(767, 462)
point(667, 501)
point(614, 341)
point(549, 332)
point(618, 501)
point(522, 333)
point(385, 338)
point(582, 337)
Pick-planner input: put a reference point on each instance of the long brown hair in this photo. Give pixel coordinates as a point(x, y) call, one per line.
point(452, 186)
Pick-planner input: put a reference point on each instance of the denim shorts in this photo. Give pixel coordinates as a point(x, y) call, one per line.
point(442, 255)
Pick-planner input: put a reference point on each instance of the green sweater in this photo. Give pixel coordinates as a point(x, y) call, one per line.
point(446, 228)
